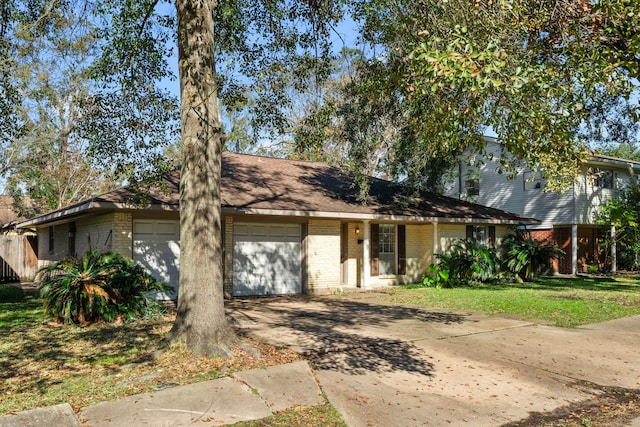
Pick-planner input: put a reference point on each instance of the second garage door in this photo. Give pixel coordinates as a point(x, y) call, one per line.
point(267, 259)
point(156, 246)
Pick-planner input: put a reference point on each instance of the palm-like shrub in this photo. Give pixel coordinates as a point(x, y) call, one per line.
point(528, 257)
point(98, 286)
point(465, 263)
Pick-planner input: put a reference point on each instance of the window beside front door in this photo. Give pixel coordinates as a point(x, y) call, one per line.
point(388, 249)
point(482, 234)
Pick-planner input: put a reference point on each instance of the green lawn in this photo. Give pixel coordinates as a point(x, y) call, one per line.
point(557, 301)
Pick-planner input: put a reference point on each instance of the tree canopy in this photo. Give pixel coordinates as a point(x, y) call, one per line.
point(431, 77)
point(541, 75)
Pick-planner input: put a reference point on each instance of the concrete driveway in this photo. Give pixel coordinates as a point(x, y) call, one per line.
point(383, 365)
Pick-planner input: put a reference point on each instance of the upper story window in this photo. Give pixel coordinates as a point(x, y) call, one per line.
point(604, 178)
point(472, 187)
point(531, 181)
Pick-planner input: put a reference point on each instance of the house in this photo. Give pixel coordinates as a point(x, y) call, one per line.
point(567, 219)
point(289, 227)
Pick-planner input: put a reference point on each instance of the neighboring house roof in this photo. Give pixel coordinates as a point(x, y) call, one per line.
point(614, 161)
point(271, 186)
point(7, 213)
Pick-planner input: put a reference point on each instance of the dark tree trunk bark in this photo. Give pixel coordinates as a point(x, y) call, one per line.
point(200, 321)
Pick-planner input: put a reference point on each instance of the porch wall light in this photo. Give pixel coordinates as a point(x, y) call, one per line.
point(357, 231)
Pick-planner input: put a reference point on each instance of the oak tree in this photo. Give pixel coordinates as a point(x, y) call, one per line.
point(255, 46)
point(537, 73)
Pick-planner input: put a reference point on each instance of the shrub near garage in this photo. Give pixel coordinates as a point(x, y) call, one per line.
point(96, 287)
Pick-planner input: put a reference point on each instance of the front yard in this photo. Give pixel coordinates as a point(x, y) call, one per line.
point(558, 301)
point(42, 363)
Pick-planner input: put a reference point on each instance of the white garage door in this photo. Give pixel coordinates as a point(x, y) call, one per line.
point(156, 246)
point(267, 259)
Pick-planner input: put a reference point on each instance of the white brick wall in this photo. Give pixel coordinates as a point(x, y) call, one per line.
point(107, 232)
point(60, 244)
point(323, 256)
point(123, 234)
point(228, 255)
point(95, 232)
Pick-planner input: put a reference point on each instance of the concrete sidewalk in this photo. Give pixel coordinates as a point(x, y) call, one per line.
point(247, 395)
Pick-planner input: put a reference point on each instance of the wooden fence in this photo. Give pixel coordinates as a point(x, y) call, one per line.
point(18, 258)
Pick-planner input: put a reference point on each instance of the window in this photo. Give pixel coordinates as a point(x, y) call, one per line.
point(482, 234)
point(531, 181)
point(472, 187)
point(52, 240)
point(72, 239)
point(604, 178)
point(387, 249)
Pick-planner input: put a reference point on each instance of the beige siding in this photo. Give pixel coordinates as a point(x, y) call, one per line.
point(448, 234)
point(96, 232)
point(123, 234)
point(228, 256)
point(323, 256)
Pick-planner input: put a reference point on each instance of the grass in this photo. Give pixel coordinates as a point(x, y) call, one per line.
point(42, 363)
point(568, 302)
point(322, 415)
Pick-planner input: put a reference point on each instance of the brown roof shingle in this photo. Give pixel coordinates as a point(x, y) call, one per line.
point(290, 187)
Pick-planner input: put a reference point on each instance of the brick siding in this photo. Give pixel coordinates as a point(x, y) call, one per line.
point(323, 256)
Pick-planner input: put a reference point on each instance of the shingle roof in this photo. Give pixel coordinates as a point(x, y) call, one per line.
point(264, 185)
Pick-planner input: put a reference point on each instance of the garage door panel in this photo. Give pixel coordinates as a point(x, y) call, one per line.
point(156, 247)
point(267, 260)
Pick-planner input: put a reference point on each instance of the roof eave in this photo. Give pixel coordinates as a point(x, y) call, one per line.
point(377, 217)
point(90, 205)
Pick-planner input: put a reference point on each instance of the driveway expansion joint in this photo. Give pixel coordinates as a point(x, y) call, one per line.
point(469, 334)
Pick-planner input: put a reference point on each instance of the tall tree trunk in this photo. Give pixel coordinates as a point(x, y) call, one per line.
point(200, 321)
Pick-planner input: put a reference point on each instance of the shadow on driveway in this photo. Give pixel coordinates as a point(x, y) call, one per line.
point(340, 335)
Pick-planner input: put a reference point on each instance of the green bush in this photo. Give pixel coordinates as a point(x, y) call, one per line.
point(466, 263)
point(528, 257)
point(98, 286)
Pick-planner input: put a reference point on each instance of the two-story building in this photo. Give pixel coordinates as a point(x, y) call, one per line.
point(567, 219)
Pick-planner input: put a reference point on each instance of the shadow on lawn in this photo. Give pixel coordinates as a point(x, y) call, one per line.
point(585, 283)
point(33, 345)
point(337, 335)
